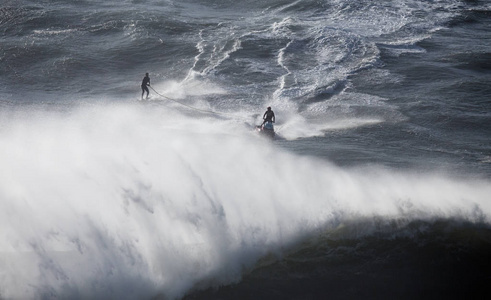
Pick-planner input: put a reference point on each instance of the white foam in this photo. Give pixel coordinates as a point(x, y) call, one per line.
point(134, 201)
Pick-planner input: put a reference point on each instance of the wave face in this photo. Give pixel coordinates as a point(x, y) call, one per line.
point(135, 201)
point(377, 185)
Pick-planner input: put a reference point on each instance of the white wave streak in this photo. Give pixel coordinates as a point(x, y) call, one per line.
point(134, 202)
point(219, 51)
point(282, 79)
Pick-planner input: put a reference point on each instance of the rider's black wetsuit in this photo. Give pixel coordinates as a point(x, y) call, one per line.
point(145, 84)
point(268, 116)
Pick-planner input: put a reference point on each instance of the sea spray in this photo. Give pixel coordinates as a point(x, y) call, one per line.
point(131, 201)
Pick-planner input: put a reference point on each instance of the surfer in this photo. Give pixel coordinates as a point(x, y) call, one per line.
point(268, 116)
point(145, 85)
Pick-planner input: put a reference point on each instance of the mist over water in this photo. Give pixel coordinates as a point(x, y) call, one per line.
point(131, 201)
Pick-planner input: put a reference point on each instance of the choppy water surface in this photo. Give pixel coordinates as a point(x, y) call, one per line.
point(377, 185)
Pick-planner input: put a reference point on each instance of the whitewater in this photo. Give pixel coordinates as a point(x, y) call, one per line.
point(381, 155)
point(129, 203)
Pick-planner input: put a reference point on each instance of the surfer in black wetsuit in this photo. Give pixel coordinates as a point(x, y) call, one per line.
point(145, 85)
point(268, 116)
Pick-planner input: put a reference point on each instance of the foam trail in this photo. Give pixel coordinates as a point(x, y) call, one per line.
point(219, 52)
point(132, 202)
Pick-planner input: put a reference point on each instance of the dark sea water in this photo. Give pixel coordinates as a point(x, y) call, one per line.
point(377, 186)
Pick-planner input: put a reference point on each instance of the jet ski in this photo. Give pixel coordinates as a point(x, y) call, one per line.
point(267, 129)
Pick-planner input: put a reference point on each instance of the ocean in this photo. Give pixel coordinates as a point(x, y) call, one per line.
point(376, 186)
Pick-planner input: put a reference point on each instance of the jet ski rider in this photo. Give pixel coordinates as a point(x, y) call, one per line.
point(268, 116)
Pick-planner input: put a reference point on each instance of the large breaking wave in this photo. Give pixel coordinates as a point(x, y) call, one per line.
point(133, 201)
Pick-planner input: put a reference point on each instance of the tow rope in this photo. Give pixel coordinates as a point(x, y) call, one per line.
point(198, 109)
point(188, 106)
